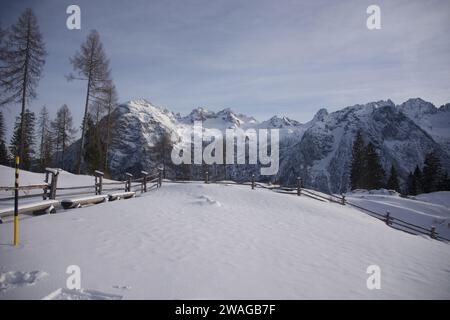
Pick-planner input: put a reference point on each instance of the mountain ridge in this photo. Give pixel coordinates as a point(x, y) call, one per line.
point(319, 150)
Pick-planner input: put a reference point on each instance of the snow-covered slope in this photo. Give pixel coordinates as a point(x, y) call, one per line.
point(441, 197)
point(197, 241)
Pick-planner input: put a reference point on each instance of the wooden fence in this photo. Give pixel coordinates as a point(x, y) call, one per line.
point(50, 186)
point(149, 181)
point(51, 191)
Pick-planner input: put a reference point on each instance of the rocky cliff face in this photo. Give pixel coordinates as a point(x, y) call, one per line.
point(319, 151)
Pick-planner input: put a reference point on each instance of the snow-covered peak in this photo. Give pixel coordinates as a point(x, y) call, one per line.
point(236, 118)
point(279, 122)
point(222, 119)
point(320, 115)
point(372, 106)
point(146, 112)
point(417, 107)
point(199, 114)
point(143, 105)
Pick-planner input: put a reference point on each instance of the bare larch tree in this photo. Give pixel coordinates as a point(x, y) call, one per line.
point(46, 141)
point(92, 65)
point(21, 64)
point(63, 131)
point(110, 100)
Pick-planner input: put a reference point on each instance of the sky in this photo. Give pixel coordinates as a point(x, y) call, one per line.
point(257, 57)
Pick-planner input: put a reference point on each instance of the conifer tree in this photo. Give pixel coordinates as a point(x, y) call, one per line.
point(393, 183)
point(64, 133)
point(358, 162)
point(411, 187)
point(111, 103)
point(21, 63)
point(373, 173)
point(24, 138)
point(45, 137)
point(4, 158)
point(444, 184)
point(431, 172)
point(94, 149)
point(418, 180)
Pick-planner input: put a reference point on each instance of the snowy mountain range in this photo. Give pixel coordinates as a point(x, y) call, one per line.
point(319, 151)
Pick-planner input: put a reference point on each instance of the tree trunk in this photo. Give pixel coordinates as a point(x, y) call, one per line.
point(41, 151)
point(83, 128)
point(24, 95)
point(105, 166)
point(63, 142)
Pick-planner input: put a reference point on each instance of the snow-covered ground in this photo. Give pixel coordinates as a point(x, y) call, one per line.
point(425, 210)
point(198, 241)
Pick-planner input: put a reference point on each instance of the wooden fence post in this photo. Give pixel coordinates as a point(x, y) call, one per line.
point(128, 182)
point(160, 177)
point(144, 181)
point(299, 186)
point(433, 234)
point(46, 194)
point(388, 218)
point(54, 185)
point(98, 181)
point(253, 182)
point(51, 194)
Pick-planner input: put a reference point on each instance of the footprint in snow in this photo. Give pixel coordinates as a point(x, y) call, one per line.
point(204, 200)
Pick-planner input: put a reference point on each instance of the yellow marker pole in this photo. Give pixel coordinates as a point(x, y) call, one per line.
point(16, 204)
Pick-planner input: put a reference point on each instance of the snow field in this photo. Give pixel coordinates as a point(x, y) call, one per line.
point(178, 243)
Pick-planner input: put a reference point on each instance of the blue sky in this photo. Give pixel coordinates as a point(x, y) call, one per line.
point(257, 57)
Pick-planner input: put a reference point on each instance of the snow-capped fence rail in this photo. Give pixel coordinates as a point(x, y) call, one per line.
point(76, 203)
point(41, 206)
point(111, 189)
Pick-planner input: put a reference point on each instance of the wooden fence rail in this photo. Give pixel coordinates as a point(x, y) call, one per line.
point(51, 190)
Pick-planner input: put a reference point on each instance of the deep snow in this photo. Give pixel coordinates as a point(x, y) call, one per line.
point(198, 241)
